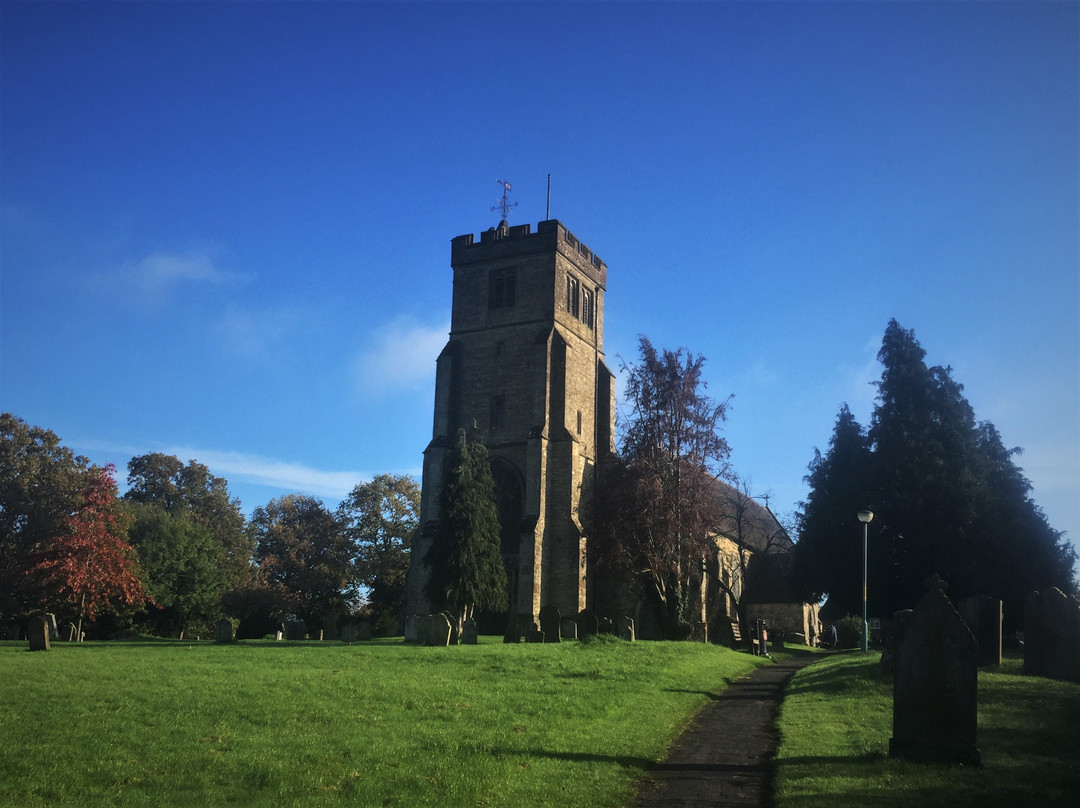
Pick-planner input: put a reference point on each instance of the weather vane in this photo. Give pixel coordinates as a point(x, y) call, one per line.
point(505, 205)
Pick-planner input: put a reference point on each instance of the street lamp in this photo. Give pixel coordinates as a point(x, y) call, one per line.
point(864, 516)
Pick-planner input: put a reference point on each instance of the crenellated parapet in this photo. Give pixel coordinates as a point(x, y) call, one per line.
point(507, 240)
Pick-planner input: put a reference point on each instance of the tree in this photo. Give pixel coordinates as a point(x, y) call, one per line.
point(89, 565)
point(828, 559)
point(380, 519)
point(657, 503)
point(302, 551)
point(946, 496)
point(40, 484)
point(182, 570)
point(467, 572)
point(191, 492)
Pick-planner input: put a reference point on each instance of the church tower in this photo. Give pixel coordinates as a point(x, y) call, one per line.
point(524, 368)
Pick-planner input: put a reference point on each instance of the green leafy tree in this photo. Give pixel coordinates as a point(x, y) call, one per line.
point(303, 553)
point(380, 519)
point(191, 492)
point(657, 504)
point(467, 572)
point(90, 567)
point(40, 485)
point(182, 571)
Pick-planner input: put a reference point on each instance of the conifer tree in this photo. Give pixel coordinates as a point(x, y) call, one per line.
point(467, 572)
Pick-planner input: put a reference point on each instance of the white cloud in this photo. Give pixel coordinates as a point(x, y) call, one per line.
point(151, 281)
point(401, 355)
point(250, 332)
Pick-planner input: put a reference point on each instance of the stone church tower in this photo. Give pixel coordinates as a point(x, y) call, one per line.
point(524, 369)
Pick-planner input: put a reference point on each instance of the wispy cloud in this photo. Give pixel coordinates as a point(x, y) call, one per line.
point(251, 332)
point(151, 281)
point(400, 356)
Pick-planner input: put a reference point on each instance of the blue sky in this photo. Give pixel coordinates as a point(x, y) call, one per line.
point(226, 226)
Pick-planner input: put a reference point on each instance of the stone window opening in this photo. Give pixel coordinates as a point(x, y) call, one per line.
point(502, 288)
point(573, 291)
point(498, 412)
point(579, 422)
point(588, 315)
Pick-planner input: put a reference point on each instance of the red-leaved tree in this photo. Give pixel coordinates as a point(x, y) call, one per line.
point(90, 565)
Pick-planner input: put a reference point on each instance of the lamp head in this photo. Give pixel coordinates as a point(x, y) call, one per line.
point(866, 515)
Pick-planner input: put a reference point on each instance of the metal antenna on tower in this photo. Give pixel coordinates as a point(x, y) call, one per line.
point(505, 206)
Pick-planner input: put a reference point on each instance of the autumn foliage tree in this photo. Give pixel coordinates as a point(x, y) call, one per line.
point(89, 566)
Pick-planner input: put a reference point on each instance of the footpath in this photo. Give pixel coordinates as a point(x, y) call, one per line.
point(722, 759)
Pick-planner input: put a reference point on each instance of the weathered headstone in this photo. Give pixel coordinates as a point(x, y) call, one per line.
point(37, 632)
point(72, 632)
point(438, 632)
point(295, 630)
point(348, 633)
point(983, 616)
point(936, 688)
point(363, 630)
point(626, 628)
point(223, 631)
point(587, 624)
point(605, 625)
point(54, 634)
point(894, 640)
point(550, 624)
point(568, 629)
point(1052, 635)
point(470, 635)
point(453, 626)
point(412, 628)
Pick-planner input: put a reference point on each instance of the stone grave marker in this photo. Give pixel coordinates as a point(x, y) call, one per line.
point(626, 628)
point(438, 633)
point(550, 624)
point(893, 642)
point(936, 687)
point(1052, 635)
point(412, 628)
point(295, 630)
point(983, 616)
point(223, 631)
point(54, 634)
point(587, 624)
point(348, 633)
point(329, 627)
point(568, 629)
point(470, 635)
point(363, 630)
point(14, 632)
point(37, 632)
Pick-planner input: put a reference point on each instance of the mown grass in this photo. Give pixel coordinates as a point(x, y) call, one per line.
point(836, 721)
point(290, 724)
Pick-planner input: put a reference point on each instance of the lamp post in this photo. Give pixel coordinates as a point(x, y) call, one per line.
point(864, 516)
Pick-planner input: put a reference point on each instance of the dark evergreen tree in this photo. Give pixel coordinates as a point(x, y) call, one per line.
point(946, 497)
point(467, 572)
point(828, 557)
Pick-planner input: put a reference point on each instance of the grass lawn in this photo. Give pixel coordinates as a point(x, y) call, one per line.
point(836, 721)
point(373, 724)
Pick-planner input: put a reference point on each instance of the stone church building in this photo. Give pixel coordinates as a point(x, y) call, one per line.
point(524, 368)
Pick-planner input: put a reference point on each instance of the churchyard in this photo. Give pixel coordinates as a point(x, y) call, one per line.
point(170, 723)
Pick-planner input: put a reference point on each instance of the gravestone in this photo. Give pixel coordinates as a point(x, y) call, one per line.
point(37, 632)
point(587, 624)
point(53, 633)
point(453, 626)
point(534, 634)
point(894, 641)
point(348, 633)
point(14, 632)
point(438, 632)
point(626, 628)
point(605, 625)
point(983, 616)
point(936, 688)
point(295, 630)
point(363, 630)
point(72, 632)
point(550, 624)
point(412, 628)
point(568, 629)
point(470, 635)
point(223, 631)
point(1052, 635)
point(329, 627)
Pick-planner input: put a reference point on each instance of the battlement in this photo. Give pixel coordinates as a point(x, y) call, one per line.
point(550, 235)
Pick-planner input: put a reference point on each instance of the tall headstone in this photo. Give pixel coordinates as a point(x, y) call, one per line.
point(438, 633)
point(470, 635)
point(626, 628)
point(329, 627)
point(936, 688)
point(412, 628)
point(551, 624)
point(983, 615)
point(223, 631)
point(37, 632)
point(348, 633)
point(568, 629)
point(1052, 635)
point(588, 624)
point(54, 634)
